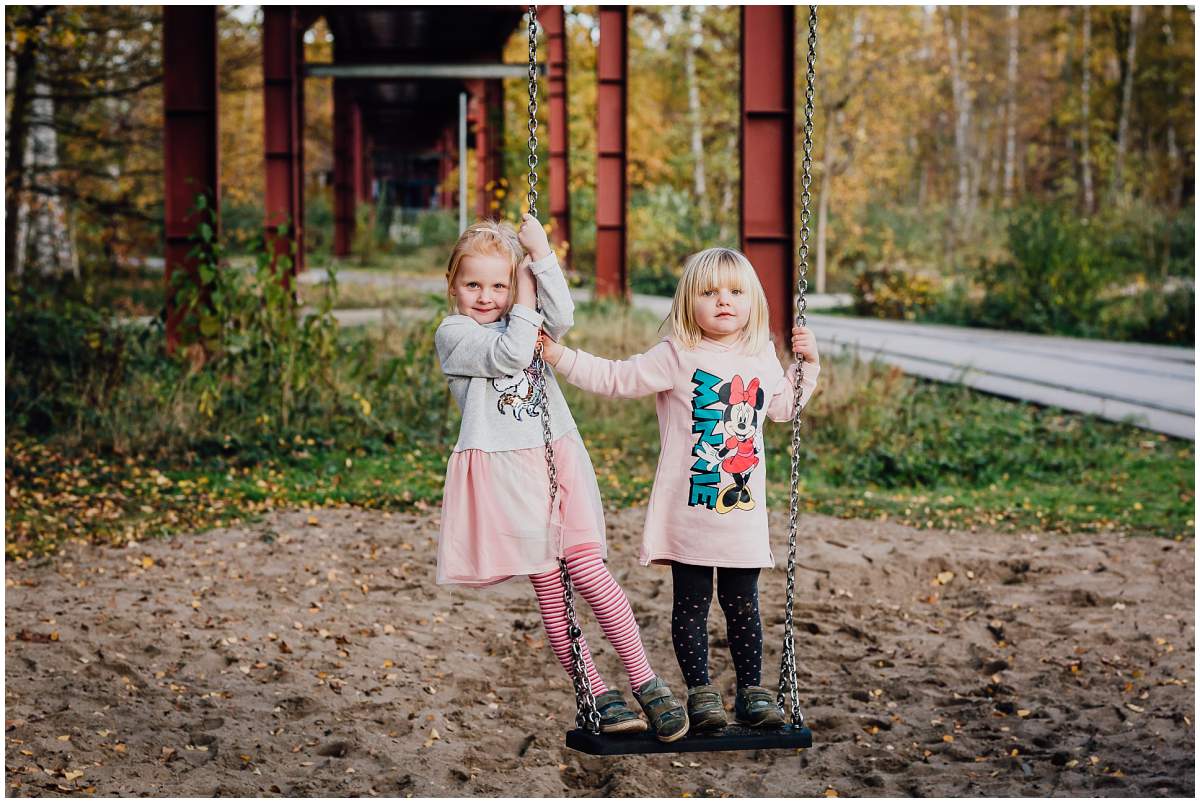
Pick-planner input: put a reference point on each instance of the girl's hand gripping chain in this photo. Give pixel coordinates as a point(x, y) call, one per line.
point(533, 237)
point(551, 349)
point(804, 344)
point(526, 284)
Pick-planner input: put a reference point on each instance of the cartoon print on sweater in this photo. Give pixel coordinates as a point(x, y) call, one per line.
point(736, 453)
point(521, 393)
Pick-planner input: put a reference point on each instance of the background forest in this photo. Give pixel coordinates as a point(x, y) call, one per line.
point(1027, 168)
point(1023, 167)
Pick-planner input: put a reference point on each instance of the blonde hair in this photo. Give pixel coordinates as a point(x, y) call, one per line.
point(708, 270)
point(486, 238)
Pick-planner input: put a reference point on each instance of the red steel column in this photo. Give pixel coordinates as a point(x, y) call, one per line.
point(767, 144)
point(358, 170)
point(367, 167)
point(344, 172)
point(611, 69)
point(479, 118)
point(554, 23)
point(283, 95)
point(189, 135)
point(494, 92)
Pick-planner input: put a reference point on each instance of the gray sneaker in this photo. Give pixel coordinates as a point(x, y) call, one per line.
point(757, 708)
point(667, 717)
point(616, 716)
point(706, 712)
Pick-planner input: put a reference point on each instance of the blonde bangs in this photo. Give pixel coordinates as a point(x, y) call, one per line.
point(493, 238)
point(711, 269)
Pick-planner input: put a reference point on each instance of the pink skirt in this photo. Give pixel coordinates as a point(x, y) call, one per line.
point(496, 520)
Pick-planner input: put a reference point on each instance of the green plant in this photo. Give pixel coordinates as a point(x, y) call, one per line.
point(888, 292)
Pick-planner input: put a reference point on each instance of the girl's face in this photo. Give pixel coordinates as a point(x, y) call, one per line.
point(481, 287)
point(722, 313)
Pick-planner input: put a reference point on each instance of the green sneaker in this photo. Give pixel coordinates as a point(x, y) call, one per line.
point(616, 716)
point(757, 708)
point(667, 717)
point(706, 712)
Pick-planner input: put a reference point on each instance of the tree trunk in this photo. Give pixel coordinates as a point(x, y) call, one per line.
point(695, 40)
point(1135, 23)
point(44, 241)
point(24, 65)
point(962, 114)
point(1089, 196)
point(823, 192)
point(1173, 157)
point(1010, 133)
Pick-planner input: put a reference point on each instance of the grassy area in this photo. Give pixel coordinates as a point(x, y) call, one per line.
point(877, 444)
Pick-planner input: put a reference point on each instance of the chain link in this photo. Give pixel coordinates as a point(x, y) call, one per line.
point(787, 664)
point(532, 159)
point(586, 714)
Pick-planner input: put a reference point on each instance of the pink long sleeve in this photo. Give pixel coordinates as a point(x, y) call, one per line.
point(781, 405)
point(640, 375)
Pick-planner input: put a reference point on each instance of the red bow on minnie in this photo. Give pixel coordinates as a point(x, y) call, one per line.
point(737, 394)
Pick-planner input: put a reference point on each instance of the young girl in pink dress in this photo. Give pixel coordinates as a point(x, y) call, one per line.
point(716, 378)
point(496, 517)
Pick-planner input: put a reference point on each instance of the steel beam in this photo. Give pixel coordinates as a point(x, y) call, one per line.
point(190, 138)
point(767, 144)
point(283, 128)
point(611, 73)
point(345, 171)
point(554, 23)
point(457, 72)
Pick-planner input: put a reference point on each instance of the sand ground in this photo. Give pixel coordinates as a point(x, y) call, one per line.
point(311, 654)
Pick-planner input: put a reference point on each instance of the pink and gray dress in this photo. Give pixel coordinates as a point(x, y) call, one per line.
point(496, 518)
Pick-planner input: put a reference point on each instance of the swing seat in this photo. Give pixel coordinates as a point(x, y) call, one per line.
point(733, 737)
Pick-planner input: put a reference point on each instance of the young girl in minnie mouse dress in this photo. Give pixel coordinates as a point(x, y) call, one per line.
point(716, 378)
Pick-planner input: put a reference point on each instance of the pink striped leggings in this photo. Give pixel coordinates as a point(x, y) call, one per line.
point(592, 580)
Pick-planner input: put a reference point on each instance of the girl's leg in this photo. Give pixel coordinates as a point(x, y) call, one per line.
point(737, 591)
point(549, 589)
point(597, 585)
point(689, 620)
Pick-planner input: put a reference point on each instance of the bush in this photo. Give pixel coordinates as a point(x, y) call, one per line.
point(249, 371)
point(1154, 315)
point(889, 292)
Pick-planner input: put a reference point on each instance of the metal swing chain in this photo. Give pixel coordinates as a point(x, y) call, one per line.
point(586, 714)
point(787, 665)
point(532, 159)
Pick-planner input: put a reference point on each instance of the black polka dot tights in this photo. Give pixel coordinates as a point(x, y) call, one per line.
point(737, 592)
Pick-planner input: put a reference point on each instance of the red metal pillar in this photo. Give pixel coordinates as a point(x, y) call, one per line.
point(494, 94)
point(358, 169)
point(189, 136)
point(283, 124)
point(611, 70)
point(478, 118)
point(344, 169)
point(445, 165)
point(366, 146)
point(767, 143)
point(554, 23)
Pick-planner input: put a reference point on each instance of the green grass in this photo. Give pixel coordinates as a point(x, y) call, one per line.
point(877, 444)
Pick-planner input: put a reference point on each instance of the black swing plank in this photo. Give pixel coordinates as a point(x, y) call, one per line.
point(733, 737)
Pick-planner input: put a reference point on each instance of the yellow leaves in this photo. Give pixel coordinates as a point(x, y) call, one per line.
point(942, 579)
point(830, 792)
point(147, 562)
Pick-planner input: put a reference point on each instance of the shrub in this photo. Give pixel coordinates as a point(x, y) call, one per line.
point(888, 292)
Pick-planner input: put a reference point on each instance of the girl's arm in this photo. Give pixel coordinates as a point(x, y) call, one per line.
point(465, 348)
point(553, 294)
point(640, 375)
point(782, 404)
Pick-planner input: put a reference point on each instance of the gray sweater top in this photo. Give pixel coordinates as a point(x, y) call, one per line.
point(488, 367)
